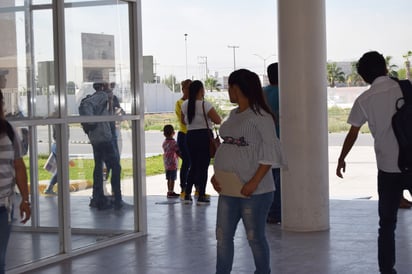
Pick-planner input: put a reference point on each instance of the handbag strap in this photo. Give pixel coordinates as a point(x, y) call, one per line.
point(207, 124)
point(204, 114)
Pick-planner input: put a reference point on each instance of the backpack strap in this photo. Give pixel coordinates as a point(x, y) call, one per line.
point(10, 132)
point(406, 88)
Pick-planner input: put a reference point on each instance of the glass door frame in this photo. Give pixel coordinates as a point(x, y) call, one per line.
point(136, 117)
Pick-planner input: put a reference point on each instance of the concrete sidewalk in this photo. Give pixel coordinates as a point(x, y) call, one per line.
point(359, 180)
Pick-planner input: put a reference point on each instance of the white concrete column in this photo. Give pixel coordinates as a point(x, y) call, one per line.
point(303, 114)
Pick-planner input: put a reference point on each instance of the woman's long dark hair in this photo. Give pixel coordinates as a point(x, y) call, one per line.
point(194, 89)
point(249, 84)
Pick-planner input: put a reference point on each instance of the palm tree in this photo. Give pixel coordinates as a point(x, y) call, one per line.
point(408, 64)
point(392, 68)
point(211, 84)
point(335, 74)
point(354, 79)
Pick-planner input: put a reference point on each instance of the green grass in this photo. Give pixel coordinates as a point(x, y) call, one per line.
point(82, 168)
point(337, 118)
point(154, 165)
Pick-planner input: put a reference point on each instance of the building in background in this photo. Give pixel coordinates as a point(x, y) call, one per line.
point(98, 56)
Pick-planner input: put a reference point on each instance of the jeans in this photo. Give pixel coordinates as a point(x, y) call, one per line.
point(198, 145)
point(106, 152)
point(5, 228)
point(390, 189)
point(275, 211)
point(53, 179)
point(116, 150)
point(184, 169)
point(253, 212)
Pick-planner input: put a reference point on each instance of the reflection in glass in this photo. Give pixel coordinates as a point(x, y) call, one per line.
point(98, 49)
point(28, 48)
point(104, 221)
point(42, 244)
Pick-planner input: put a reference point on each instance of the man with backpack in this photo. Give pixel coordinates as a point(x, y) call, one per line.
point(377, 106)
point(101, 137)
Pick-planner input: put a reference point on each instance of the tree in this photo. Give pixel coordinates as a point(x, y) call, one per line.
point(392, 68)
point(170, 82)
point(408, 64)
point(354, 79)
point(402, 74)
point(211, 84)
point(335, 74)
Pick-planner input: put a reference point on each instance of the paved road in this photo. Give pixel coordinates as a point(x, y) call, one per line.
point(79, 143)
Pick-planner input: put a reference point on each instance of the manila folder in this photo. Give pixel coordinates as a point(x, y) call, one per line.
point(230, 183)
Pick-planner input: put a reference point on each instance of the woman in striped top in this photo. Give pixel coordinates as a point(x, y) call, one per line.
point(12, 171)
point(250, 149)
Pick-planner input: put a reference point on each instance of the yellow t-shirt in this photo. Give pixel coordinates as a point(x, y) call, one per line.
point(178, 111)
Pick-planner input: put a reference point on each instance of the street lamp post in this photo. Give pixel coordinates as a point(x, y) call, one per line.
point(204, 62)
point(264, 61)
point(186, 52)
point(234, 55)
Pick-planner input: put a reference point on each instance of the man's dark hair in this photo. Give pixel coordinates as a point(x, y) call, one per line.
point(273, 74)
point(371, 65)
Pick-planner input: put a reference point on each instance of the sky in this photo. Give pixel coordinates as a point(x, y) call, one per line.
point(353, 27)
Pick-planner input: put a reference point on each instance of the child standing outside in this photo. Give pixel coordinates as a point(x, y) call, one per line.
point(170, 159)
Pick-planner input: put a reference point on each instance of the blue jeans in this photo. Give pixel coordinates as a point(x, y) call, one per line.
point(275, 211)
point(5, 228)
point(390, 189)
point(53, 179)
point(184, 152)
point(253, 212)
point(106, 152)
point(198, 145)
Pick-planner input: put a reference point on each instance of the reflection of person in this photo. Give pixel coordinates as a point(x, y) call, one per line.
point(170, 159)
point(12, 171)
point(377, 106)
point(194, 111)
point(24, 132)
point(271, 93)
point(181, 138)
point(101, 138)
point(114, 109)
point(249, 149)
point(53, 179)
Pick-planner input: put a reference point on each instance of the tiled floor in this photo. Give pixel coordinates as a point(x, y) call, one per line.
point(181, 240)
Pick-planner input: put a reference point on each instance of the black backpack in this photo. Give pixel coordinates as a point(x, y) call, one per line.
point(86, 109)
point(402, 126)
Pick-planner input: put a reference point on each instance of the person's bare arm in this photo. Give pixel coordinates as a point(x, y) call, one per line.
point(21, 181)
point(212, 114)
point(254, 182)
point(347, 146)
